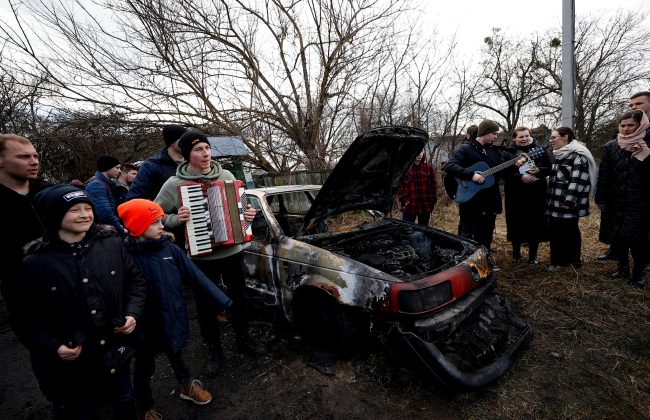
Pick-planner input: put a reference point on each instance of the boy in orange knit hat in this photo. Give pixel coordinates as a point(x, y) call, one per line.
point(165, 325)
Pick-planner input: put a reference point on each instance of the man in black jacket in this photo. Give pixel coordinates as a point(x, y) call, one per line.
point(478, 215)
point(18, 185)
point(156, 170)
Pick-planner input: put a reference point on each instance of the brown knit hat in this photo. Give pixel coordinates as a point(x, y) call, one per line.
point(487, 127)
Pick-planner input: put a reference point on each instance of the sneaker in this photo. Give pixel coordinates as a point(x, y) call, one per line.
point(250, 346)
point(150, 415)
point(194, 391)
point(534, 261)
point(516, 259)
point(555, 268)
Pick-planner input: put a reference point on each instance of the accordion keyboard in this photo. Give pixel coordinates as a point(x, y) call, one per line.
point(199, 226)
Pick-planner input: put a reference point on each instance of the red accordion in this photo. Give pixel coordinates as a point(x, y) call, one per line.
point(216, 215)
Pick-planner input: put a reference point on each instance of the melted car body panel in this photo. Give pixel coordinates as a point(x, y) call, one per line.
point(431, 291)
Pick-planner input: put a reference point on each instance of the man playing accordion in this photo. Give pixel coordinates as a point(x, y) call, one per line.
point(225, 263)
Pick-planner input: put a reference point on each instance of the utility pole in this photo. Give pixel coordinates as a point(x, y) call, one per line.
point(568, 63)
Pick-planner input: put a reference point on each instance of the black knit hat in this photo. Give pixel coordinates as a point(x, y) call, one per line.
point(172, 132)
point(105, 162)
point(54, 202)
point(486, 127)
point(189, 140)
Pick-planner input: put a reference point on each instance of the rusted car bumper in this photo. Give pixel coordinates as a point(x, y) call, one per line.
point(465, 347)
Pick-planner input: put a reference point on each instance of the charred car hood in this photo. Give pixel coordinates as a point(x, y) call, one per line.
point(368, 174)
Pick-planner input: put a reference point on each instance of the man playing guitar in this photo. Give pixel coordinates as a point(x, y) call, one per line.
point(478, 214)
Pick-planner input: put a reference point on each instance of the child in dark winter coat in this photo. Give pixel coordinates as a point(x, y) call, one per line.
point(165, 327)
point(79, 302)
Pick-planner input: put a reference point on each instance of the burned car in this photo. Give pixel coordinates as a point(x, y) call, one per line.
point(427, 294)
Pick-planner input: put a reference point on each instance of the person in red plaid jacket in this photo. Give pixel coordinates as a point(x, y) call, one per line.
point(417, 194)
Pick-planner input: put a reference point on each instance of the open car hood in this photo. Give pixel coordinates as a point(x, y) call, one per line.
point(368, 174)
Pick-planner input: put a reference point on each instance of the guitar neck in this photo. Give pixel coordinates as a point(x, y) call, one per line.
point(499, 167)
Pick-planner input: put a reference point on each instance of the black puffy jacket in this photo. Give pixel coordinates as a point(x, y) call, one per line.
point(21, 226)
point(624, 190)
point(165, 268)
point(487, 200)
point(77, 294)
point(152, 174)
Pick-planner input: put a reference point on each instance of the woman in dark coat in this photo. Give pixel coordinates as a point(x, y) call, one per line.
point(80, 300)
point(525, 192)
point(623, 190)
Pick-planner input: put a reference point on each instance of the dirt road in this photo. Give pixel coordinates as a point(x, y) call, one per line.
point(279, 385)
point(589, 358)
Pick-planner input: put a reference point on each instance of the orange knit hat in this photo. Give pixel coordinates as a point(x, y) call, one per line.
point(138, 214)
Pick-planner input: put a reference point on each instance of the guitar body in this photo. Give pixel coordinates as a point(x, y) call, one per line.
point(460, 190)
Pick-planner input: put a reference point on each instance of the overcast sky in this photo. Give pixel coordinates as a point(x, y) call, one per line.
point(473, 20)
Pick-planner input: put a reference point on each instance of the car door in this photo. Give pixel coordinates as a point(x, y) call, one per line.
point(260, 256)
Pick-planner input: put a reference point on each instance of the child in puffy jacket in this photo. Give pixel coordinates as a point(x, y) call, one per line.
point(80, 302)
point(165, 324)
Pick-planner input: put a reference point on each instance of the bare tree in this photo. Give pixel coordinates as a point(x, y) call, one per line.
point(283, 75)
point(69, 141)
point(403, 90)
point(508, 74)
point(457, 108)
point(20, 95)
point(612, 61)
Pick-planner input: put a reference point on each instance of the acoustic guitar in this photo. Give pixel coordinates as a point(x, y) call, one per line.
point(462, 190)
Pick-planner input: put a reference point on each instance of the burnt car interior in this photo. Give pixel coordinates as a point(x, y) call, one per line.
point(289, 211)
point(399, 249)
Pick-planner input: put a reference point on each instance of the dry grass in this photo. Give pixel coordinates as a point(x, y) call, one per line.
point(590, 357)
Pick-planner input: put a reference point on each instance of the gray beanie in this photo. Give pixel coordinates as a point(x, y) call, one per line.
point(487, 127)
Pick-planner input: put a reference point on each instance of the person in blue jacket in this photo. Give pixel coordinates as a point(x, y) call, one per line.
point(100, 190)
point(154, 171)
point(165, 325)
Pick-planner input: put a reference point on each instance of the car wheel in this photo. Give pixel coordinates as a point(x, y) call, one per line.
point(325, 324)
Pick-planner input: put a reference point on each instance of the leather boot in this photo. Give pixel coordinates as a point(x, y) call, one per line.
point(638, 282)
point(246, 344)
point(608, 255)
point(621, 273)
point(215, 360)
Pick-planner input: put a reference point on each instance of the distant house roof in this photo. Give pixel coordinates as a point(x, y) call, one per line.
point(227, 146)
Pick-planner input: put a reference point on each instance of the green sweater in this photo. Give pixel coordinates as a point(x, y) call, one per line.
point(169, 199)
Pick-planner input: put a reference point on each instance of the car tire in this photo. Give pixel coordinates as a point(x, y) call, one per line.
point(325, 324)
